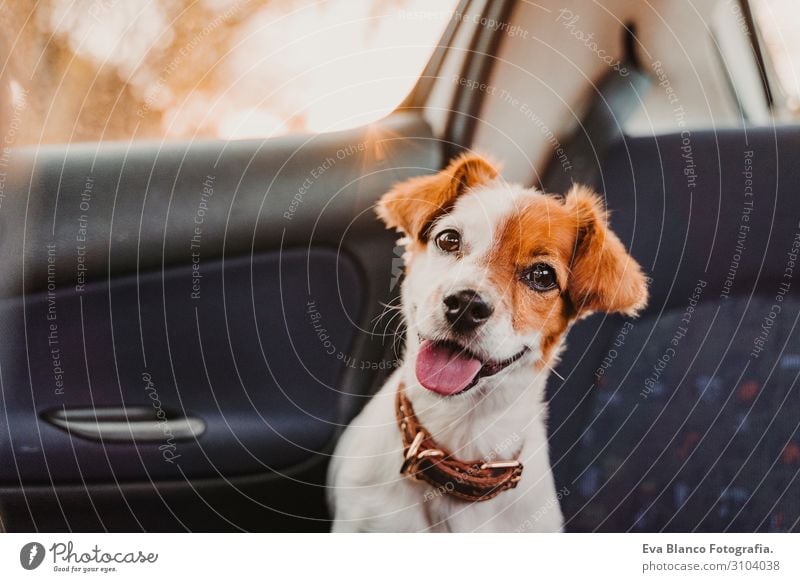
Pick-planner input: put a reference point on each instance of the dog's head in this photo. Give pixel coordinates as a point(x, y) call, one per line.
point(496, 273)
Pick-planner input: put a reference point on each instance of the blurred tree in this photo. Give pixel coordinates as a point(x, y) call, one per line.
point(88, 70)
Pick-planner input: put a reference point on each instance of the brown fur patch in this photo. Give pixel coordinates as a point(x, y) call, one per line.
point(413, 205)
point(605, 277)
point(593, 270)
point(538, 231)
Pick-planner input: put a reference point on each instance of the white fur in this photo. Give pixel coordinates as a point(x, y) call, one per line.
point(501, 418)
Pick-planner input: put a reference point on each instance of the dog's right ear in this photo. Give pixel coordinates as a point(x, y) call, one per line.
point(412, 206)
point(604, 276)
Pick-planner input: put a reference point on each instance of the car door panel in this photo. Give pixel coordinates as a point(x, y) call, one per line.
point(233, 283)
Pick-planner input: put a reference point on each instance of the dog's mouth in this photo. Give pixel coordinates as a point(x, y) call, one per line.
point(447, 367)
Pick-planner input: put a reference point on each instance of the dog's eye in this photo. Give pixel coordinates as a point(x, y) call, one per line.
point(541, 277)
point(449, 241)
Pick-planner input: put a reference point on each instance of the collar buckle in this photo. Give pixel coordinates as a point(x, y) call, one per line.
point(424, 460)
point(414, 455)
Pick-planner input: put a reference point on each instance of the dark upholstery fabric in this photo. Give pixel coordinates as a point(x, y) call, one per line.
point(687, 418)
point(689, 430)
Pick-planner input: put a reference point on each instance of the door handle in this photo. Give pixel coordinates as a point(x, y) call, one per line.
point(135, 424)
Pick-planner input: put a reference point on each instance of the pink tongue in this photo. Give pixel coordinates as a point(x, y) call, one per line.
point(445, 370)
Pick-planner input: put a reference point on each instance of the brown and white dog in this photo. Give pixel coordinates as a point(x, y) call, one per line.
point(495, 276)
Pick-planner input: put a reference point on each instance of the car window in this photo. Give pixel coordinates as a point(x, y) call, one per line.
point(777, 23)
point(99, 70)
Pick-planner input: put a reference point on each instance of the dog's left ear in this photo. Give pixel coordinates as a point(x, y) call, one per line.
point(604, 277)
point(412, 206)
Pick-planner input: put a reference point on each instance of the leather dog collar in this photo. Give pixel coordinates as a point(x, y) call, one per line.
point(427, 461)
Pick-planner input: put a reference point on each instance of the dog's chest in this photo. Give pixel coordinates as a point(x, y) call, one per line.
point(444, 513)
point(487, 436)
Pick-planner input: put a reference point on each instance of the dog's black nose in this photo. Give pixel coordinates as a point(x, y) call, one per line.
point(466, 310)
